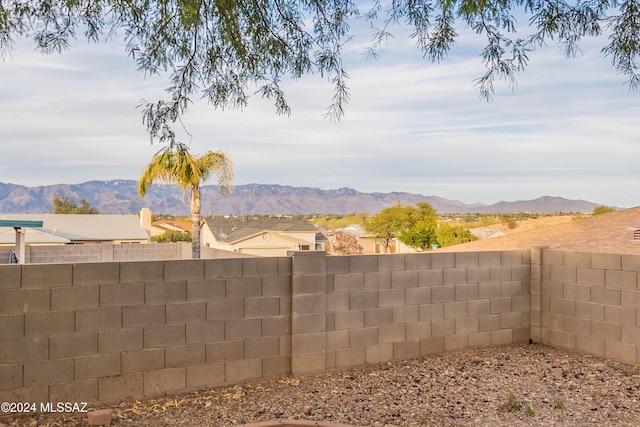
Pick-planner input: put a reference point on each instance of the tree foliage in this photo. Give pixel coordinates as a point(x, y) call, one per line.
point(602, 209)
point(172, 236)
point(343, 243)
point(226, 50)
point(176, 165)
point(64, 205)
point(449, 235)
point(389, 223)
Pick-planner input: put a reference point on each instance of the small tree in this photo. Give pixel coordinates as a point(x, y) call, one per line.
point(64, 205)
point(172, 236)
point(343, 243)
point(602, 209)
point(389, 223)
point(448, 235)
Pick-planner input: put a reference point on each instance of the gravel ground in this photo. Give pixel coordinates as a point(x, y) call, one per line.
point(511, 385)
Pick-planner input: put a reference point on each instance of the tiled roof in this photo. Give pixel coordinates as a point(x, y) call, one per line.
point(608, 233)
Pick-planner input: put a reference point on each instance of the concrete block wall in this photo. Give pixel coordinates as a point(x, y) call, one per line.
point(106, 332)
point(354, 310)
point(590, 302)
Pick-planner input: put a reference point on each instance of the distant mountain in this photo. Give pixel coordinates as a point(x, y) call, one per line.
point(121, 197)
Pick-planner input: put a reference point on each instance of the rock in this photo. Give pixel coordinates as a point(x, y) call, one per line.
point(100, 417)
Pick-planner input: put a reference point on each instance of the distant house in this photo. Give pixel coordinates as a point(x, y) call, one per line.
point(261, 237)
point(60, 229)
point(486, 233)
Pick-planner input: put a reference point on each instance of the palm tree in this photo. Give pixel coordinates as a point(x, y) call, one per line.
point(176, 165)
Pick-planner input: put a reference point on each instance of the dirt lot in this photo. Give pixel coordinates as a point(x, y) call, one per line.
point(501, 386)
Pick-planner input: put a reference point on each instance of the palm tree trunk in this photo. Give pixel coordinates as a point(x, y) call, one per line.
point(195, 222)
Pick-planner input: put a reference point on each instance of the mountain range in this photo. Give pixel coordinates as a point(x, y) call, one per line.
point(121, 197)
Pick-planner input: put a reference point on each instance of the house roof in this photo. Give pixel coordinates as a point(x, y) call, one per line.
point(238, 228)
point(87, 227)
point(33, 235)
point(609, 233)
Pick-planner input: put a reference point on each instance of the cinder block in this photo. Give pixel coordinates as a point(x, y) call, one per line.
point(418, 330)
point(36, 393)
point(405, 314)
point(378, 317)
point(349, 320)
point(394, 297)
point(500, 274)
point(478, 307)
point(490, 322)
point(309, 284)
point(120, 388)
point(431, 312)
point(222, 268)
point(521, 272)
point(562, 339)
point(242, 328)
point(606, 261)
point(184, 355)
point(75, 298)
point(443, 294)
point(20, 301)
point(511, 320)
point(74, 391)
point(308, 343)
point(577, 259)
point(404, 279)
point(23, 350)
point(620, 315)
point(121, 294)
point(165, 292)
point(46, 275)
point(628, 298)
point(302, 304)
point(164, 380)
point(478, 274)
point(456, 342)
point(419, 261)
point(191, 269)
point(620, 351)
point(164, 336)
point(276, 286)
point(489, 290)
point(631, 335)
point(97, 366)
point(417, 296)
point(500, 305)
point(480, 339)
point(427, 278)
point(590, 310)
point(308, 363)
point(590, 344)
point(467, 292)
point(511, 288)
point(337, 340)
point(10, 276)
point(211, 375)
point(631, 262)
point(406, 350)
point(204, 332)
point(562, 306)
point(259, 267)
point(608, 331)
point(391, 262)
point(363, 263)
point(70, 345)
point(577, 325)
point(143, 316)
point(225, 350)
point(501, 337)
point(338, 301)
point(276, 326)
point(12, 326)
point(552, 321)
point(142, 360)
point(590, 276)
point(41, 324)
point(561, 273)
point(206, 290)
point(11, 376)
point(553, 257)
point(99, 319)
point(363, 300)
point(453, 310)
point(621, 279)
point(336, 265)
point(307, 323)
point(443, 260)
point(242, 370)
point(120, 340)
point(262, 347)
point(441, 328)
point(521, 303)
point(350, 357)
point(432, 346)
point(148, 271)
point(228, 309)
point(379, 353)
point(187, 312)
point(466, 325)
point(455, 276)
point(309, 262)
point(362, 337)
point(96, 273)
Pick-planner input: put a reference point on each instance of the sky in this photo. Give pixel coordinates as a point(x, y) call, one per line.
point(570, 128)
